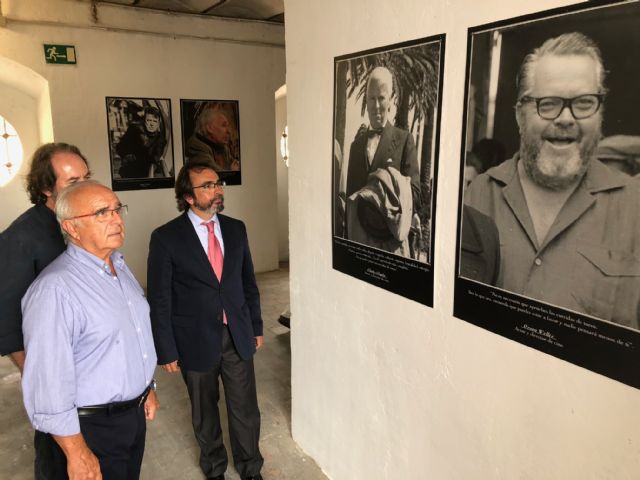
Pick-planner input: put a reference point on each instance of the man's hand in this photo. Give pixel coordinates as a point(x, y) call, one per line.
point(171, 367)
point(82, 464)
point(151, 405)
point(259, 342)
point(18, 359)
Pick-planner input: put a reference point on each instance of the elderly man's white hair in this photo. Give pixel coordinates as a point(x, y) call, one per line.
point(381, 75)
point(64, 211)
point(574, 43)
point(206, 117)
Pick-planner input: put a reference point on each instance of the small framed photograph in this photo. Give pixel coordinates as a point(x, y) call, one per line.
point(211, 134)
point(140, 143)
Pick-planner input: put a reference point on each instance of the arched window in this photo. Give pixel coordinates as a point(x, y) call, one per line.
point(10, 152)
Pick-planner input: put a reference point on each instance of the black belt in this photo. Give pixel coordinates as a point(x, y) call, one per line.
point(115, 407)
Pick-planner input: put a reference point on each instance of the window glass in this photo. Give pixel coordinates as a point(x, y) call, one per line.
point(10, 152)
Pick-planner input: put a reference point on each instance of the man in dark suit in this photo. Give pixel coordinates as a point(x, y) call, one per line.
point(381, 145)
point(206, 320)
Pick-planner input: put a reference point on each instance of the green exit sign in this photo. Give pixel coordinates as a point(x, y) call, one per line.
point(60, 54)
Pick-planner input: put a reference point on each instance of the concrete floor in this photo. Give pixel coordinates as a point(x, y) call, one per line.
point(171, 449)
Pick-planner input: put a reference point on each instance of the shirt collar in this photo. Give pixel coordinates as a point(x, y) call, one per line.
point(197, 221)
point(89, 259)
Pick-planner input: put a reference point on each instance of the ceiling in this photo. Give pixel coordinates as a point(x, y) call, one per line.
point(265, 10)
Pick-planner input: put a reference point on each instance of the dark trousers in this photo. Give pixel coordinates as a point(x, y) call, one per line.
point(117, 440)
point(239, 383)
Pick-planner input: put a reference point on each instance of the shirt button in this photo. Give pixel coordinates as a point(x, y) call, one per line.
point(538, 262)
point(138, 330)
point(144, 356)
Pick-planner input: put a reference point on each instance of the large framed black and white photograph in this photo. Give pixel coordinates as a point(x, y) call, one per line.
point(140, 143)
point(211, 134)
point(549, 217)
point(385, 157)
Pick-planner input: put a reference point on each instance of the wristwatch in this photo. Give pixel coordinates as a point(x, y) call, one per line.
point(153, 385)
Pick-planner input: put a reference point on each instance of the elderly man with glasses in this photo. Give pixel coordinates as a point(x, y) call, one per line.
point(569, 226)
point(88, 377)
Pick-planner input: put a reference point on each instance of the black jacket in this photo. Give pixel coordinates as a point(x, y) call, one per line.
point(28, 245)
point(187, 300)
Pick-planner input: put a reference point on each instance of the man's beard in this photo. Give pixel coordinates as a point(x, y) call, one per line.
point(210, 207)
point(555, 169)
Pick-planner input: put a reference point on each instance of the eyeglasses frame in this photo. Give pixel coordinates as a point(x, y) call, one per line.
point(566, 103)
point(116, 210)
point(212, 185)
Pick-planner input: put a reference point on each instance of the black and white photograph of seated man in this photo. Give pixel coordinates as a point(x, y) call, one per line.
point(141, 146)
point(555, 98)
point(211, 135)
point(384, 148)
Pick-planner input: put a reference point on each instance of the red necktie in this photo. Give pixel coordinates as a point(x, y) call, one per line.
point(214, 252)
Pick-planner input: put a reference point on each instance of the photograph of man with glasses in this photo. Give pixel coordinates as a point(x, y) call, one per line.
point(569, 226)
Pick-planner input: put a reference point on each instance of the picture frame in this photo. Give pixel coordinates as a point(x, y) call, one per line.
point(387, 104)
point(211, 134)
point(140, 143)
point(570, 293)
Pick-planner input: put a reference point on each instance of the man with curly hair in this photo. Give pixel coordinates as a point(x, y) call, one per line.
point(34, 239)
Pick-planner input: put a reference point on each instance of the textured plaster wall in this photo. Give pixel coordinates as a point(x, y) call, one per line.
point(384, 388)
point(208, 59)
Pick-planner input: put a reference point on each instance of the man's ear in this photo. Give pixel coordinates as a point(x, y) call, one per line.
point(69, 227)
point(189, 199)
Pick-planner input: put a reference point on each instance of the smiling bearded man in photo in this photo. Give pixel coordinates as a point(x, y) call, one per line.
point(569, 226)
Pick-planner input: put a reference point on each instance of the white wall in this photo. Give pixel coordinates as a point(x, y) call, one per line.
point(384, 388)
point(204, 58)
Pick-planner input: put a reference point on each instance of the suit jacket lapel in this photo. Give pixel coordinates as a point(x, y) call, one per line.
point(228, 239)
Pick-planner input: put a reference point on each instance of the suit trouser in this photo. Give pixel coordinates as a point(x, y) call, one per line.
point(117, 440)
point(239, 383)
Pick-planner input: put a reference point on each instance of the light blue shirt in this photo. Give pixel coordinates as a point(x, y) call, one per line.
point(87, 338)
point(203, 231)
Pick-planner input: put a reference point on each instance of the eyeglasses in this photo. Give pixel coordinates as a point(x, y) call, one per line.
point(212, 185)
point(581, 107)
point(105, 214)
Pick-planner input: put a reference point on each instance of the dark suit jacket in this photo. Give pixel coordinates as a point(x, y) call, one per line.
point(396, 149)
point(187, 300)
point(28, 245)
point(480, 247)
